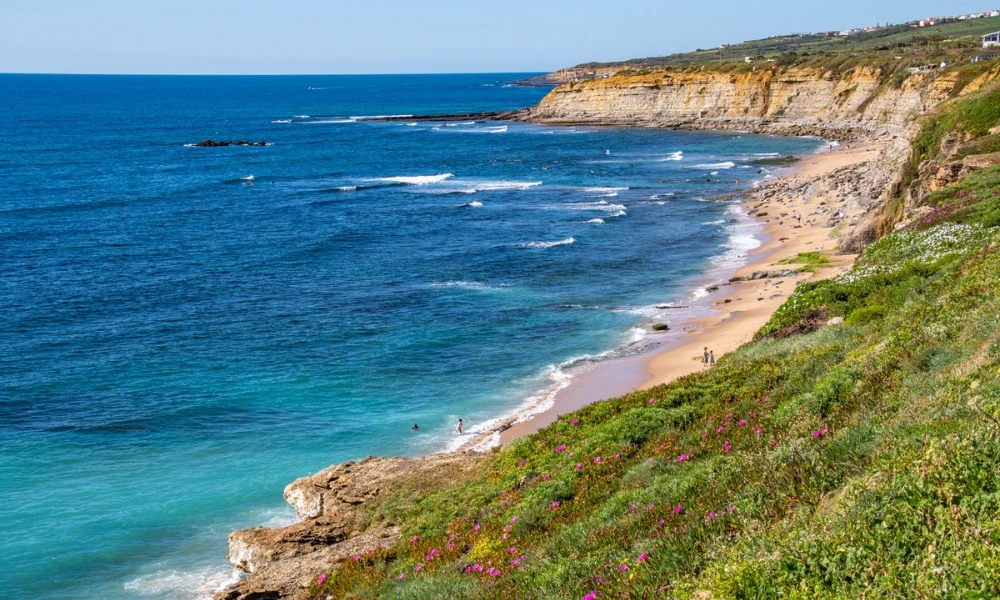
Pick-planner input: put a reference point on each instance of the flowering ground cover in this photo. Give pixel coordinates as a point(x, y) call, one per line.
point(858, 460)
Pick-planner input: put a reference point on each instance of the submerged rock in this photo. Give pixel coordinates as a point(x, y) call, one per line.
point(224, 143)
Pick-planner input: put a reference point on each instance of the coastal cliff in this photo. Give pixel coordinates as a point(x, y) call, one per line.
point(792, 101)
point(846, 450)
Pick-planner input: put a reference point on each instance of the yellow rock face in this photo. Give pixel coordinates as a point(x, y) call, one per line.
point(769, 99)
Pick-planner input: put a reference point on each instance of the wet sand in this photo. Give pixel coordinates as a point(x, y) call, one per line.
point(737, 310)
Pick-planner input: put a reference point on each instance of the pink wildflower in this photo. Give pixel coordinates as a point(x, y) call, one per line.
point(710, 515)
point(651, 401)
point(757, 431)
point(575, 421)
point(643, 557)
point(618, 455)
point(520, 463)
point(774, 442)
point(662, 448)
point(554, 505)
point(651, 507)
point(571, 454)
point(597, 460)
point(401, 576)
point(560, 447)
point(357, 557)
point(513, 519)
point(678, 509)
point(719, 430)
point(704, 435)
point(578, 466)
point(742, 422)
point(545, 477)
point(414, 539)
point(321, 579)
point(417, 568)
point(623, 568)
point(590, 596)
point(475, 527)
point(512, 550)
point(683, 457)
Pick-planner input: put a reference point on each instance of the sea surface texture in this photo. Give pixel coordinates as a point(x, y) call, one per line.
point(185, 330)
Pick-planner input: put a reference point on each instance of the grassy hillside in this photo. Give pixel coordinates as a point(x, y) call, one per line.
point(896, 40)
point(823, 460)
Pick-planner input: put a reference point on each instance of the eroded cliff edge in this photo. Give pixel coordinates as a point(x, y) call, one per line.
point(779, 100)
point(355, 507)
point(343, 514)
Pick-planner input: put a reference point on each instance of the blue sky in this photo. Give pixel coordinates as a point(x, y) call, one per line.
point(395, 36)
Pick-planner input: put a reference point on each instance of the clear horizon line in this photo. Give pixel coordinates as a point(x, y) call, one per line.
point(140, 74)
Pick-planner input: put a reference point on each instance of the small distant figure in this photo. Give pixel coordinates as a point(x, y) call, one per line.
point(459, 428)
point(607, 152)
point(704, 358)
point(711, 358)
point(798, 217)
point(415, 427)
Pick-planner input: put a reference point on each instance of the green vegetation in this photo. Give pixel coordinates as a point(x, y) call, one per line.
point(809, 261)
point(941, 40)
point(778, 161)
point(859, 459)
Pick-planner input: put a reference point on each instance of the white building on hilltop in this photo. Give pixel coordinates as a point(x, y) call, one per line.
point(991, 39)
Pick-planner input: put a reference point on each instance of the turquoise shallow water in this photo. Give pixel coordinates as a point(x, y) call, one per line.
point(183, 331)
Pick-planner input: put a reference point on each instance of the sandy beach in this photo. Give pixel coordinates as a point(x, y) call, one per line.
point(739, 307)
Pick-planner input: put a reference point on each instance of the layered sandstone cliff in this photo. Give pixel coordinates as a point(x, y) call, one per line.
point(772, 100)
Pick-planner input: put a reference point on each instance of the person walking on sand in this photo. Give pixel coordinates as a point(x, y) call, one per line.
point(458, 429)
point(711, 358)
point(798, 217)
point(704, 358)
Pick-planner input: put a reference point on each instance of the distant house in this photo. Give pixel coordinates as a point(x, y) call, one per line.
point(930, 22)
point(991, 39)
point(995, 13)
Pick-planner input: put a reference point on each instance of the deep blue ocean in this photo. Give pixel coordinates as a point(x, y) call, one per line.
point(184, 330)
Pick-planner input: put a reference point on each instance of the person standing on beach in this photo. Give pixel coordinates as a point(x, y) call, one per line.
point(798, 217)
point(711, 358)
point(458, 429)
point(704, 358)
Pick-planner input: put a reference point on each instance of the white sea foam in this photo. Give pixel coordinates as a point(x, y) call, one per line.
point(247, 178)
point(604, 191)
point(712, 166)
point(492, 186)
point(719, 222)
point(202, 584)
point(474, 204)
point(674, 156)
point(472, 285)
point(596, 221)
point(460, 124)
point(564, 242)
point(302, 117)
point(417, 179)
point(282, 121)
point(331, 121)
point(411, 124)
point(601, 205)
point(370, 117)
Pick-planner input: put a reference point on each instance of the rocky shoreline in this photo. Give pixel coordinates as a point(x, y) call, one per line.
point(347, 509)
